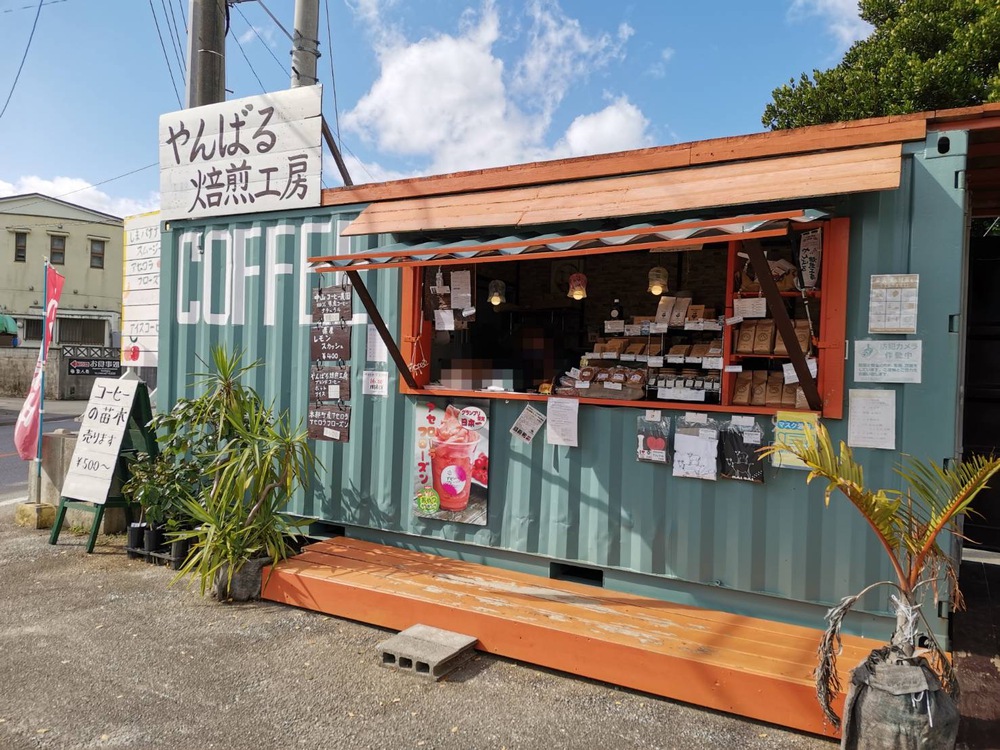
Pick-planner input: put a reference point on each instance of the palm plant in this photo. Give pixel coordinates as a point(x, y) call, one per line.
point(250, 463)
point(907, 524)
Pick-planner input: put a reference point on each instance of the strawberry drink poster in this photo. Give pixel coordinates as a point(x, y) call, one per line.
point(452, 462)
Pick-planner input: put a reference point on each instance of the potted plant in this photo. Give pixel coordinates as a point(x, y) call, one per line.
point(253, 464)
point(904, 694)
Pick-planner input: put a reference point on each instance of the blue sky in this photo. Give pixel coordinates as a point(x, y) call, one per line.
point(421, 87)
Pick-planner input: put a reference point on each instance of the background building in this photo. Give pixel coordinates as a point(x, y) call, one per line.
point(84, 245)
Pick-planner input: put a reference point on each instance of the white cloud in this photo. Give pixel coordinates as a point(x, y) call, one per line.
point(448, 102)
point(659, 68)
point(79, 191)
point(618, 127)
point(361, 172)
point(842, 16)
point(255, 33)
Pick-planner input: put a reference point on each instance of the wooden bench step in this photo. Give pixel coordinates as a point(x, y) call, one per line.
point(742, 665)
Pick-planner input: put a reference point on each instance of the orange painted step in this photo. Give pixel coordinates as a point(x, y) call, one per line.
point(698, 656)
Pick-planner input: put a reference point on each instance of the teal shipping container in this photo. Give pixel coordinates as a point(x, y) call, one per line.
point(899, 193)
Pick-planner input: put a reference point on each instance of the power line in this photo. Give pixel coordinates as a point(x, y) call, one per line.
point(243, 52)
point(166, 59)
point(93, 185)
point(24, 57)
point(358, 160)
point(276, 21)
point(183, 17)
point(29, 7)
point(174, 35)
point(262, 40)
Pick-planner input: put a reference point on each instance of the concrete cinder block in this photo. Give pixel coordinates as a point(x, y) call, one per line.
point(426, 651)
point(35, 515)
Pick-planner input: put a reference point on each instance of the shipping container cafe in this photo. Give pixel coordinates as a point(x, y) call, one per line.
point(537, 392)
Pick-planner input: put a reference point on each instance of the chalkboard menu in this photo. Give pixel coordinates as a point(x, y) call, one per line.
point(333, 304)
point(329, 416)
point(330, 423)
point(330, 383)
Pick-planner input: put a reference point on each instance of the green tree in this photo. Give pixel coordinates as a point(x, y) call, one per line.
point(922, 55)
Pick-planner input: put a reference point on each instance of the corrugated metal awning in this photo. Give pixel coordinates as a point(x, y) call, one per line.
point(677, 236)
point(691, 189)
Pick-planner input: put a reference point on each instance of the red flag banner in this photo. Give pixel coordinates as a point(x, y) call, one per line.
point(26, 429)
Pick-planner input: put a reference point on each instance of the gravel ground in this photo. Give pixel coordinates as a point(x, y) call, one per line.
point(99, 652)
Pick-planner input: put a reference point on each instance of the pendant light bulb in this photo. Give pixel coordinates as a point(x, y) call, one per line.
point(577, 286)
point(658, 280)
point(497, 292)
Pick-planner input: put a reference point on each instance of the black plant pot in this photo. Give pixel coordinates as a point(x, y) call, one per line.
point(179, 549)
point(153, 540)
point(136, 540)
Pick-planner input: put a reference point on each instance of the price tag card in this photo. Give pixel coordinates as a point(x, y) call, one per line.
point(750, 307)
point(675, 360)
point(790, 374)
point(633, 330)
point(581, 385)
point(712, 363)
point(734, 368)
point(628, 357)
point(655, 361)
point(614, 326)
point(613, 386)
point(609, 355)
point(735, 320)
point(659, 328)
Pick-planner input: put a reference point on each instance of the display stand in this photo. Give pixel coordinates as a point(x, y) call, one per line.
point(136, 438)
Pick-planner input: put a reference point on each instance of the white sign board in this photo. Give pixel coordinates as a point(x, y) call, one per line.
point(96, 453)
point(141, 291)
point(563, 422)
point(261, 153)
point(871, 419)
point(892, 306)
point(374, 383)
point(888, 361)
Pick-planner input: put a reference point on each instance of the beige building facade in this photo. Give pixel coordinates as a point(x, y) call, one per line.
point(83, 245)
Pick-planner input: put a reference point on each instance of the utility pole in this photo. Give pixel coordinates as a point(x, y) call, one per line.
point(305, 52)
point(206, 78)
point(305, 43)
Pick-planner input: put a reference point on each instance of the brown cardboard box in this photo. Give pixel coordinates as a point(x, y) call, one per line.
point(700, 350)
point(679, 313)
point(763, 339)
point(635, 348)
point(758, 388)
point(653, 348)
point(680, 350)
point(788, 394)
point(745, 338)
point(741, 393)
point(775, 386)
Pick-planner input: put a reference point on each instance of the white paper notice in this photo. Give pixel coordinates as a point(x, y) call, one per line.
point(892, 306)
point(695, 456)
point(444, 320)
point(888, 361)
point(614, 326)
point(563, 422)
point(871, 419)
point(375, 383)
point(750, 307)
point(461, 290)
point(527, 424)
point(375, 347)
point(790, 374)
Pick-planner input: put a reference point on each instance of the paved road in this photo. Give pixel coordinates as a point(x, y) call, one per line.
point(14, 471)
point(98, 652)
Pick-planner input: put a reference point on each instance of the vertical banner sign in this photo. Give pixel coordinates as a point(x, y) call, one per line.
point(452, 462)
point(96, 452)
point(261, 153)
point(141, 291)
point(330, 341)
point(26, 429)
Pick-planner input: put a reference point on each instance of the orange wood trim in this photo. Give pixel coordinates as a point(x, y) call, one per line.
point(860, 133)
point(544, 254)
point(833, 317)
point(728, 378)
point(410, 333)
point(737, 183)
point(665, 405)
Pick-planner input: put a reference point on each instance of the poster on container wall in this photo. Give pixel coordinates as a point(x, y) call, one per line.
point(452, 461)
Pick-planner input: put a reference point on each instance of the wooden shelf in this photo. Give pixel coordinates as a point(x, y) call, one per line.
point(791, 295)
